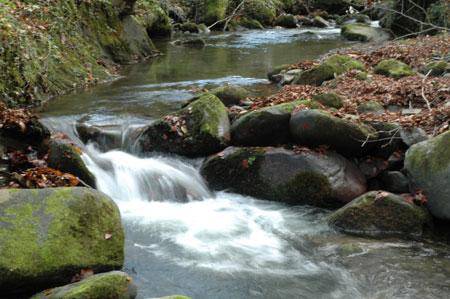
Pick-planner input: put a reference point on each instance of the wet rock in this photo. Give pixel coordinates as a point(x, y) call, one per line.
point(203, 29)
point(21, 135)
point(389, 140)
point(113, 284)
point(395, 182)
point(230, 95)
point(105, 137)
point(334, 65)
point(278, 174)
point(66, 157)
point(199, 129)
point(380, 214)
point(372, 167)
point(353, 18)
point(370, 107)
point(428, 167)
point(272, 75)
point(316, 127)
point(364, 33)
point(287, 21)
point(411, 136)
point(320, 22)
point(331, 100)
point(47, 236)
point(266, 126)
point(393, 68)
point(305, 21)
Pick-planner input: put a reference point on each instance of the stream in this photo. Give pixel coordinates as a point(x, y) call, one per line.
point(182, 238)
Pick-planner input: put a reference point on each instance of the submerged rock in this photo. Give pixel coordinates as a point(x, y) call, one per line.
point(105, 137)
point(428, 166)
point(380, 214)
point(230, 95)
point(277, 174)
point(113, 284)
point(49, 235)
point(201, 128)
point(320, 22)
point(316, 127)
point(66, 157)
point(265, 126)
point(334, 65)
point(393, 68)
point(364, 33)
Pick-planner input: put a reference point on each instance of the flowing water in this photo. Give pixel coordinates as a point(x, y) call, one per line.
point(183, 238)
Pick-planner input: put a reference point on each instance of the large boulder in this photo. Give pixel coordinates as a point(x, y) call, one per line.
point(327, 70)
point(364, 33)
point(393, 68)
point(428, 166)
point(277, 174)
point(264, 11)
point(47, 236)
point(114, 284)
point(66, 157)
point(265, 126)
point(316, 127)
point(380, 214)
point(201, 128)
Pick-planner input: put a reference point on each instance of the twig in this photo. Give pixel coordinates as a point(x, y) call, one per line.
point(423, 90)
point(229, 18)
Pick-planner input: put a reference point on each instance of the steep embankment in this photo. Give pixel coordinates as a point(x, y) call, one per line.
point(50, 47)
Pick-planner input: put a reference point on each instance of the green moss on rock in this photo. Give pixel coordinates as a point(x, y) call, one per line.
point(428, 166)
point(393, 68)
point(380, 214)
point(200, 129)
point(230, 95)
point(115, 284)
point(47, 236)
point(327, 70)
point(329, 99)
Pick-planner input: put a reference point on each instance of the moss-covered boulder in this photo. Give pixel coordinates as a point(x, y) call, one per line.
point(331, 100)
point(436, 68)
point(327, 70)
point(264, 11)
point(214, 10)
point(66, 157)
point(393, 68)
point(287, 21)
point(201, 128)
point(230, 95)
point(154, 18)
point(428, 166)
point(277, 174)
point(380, 214)
point(364, 33)
point(320, 22)
point(265, 126)
point(316, 127)
point(49, 235)
point(113, 284)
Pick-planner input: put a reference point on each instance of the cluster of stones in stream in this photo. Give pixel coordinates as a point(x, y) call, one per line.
point(54, 236)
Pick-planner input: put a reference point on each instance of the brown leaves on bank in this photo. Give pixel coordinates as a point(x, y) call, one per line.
point(43, 177)
point(14, 118)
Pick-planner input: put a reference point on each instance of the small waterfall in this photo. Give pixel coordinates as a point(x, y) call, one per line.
point(126, 177)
